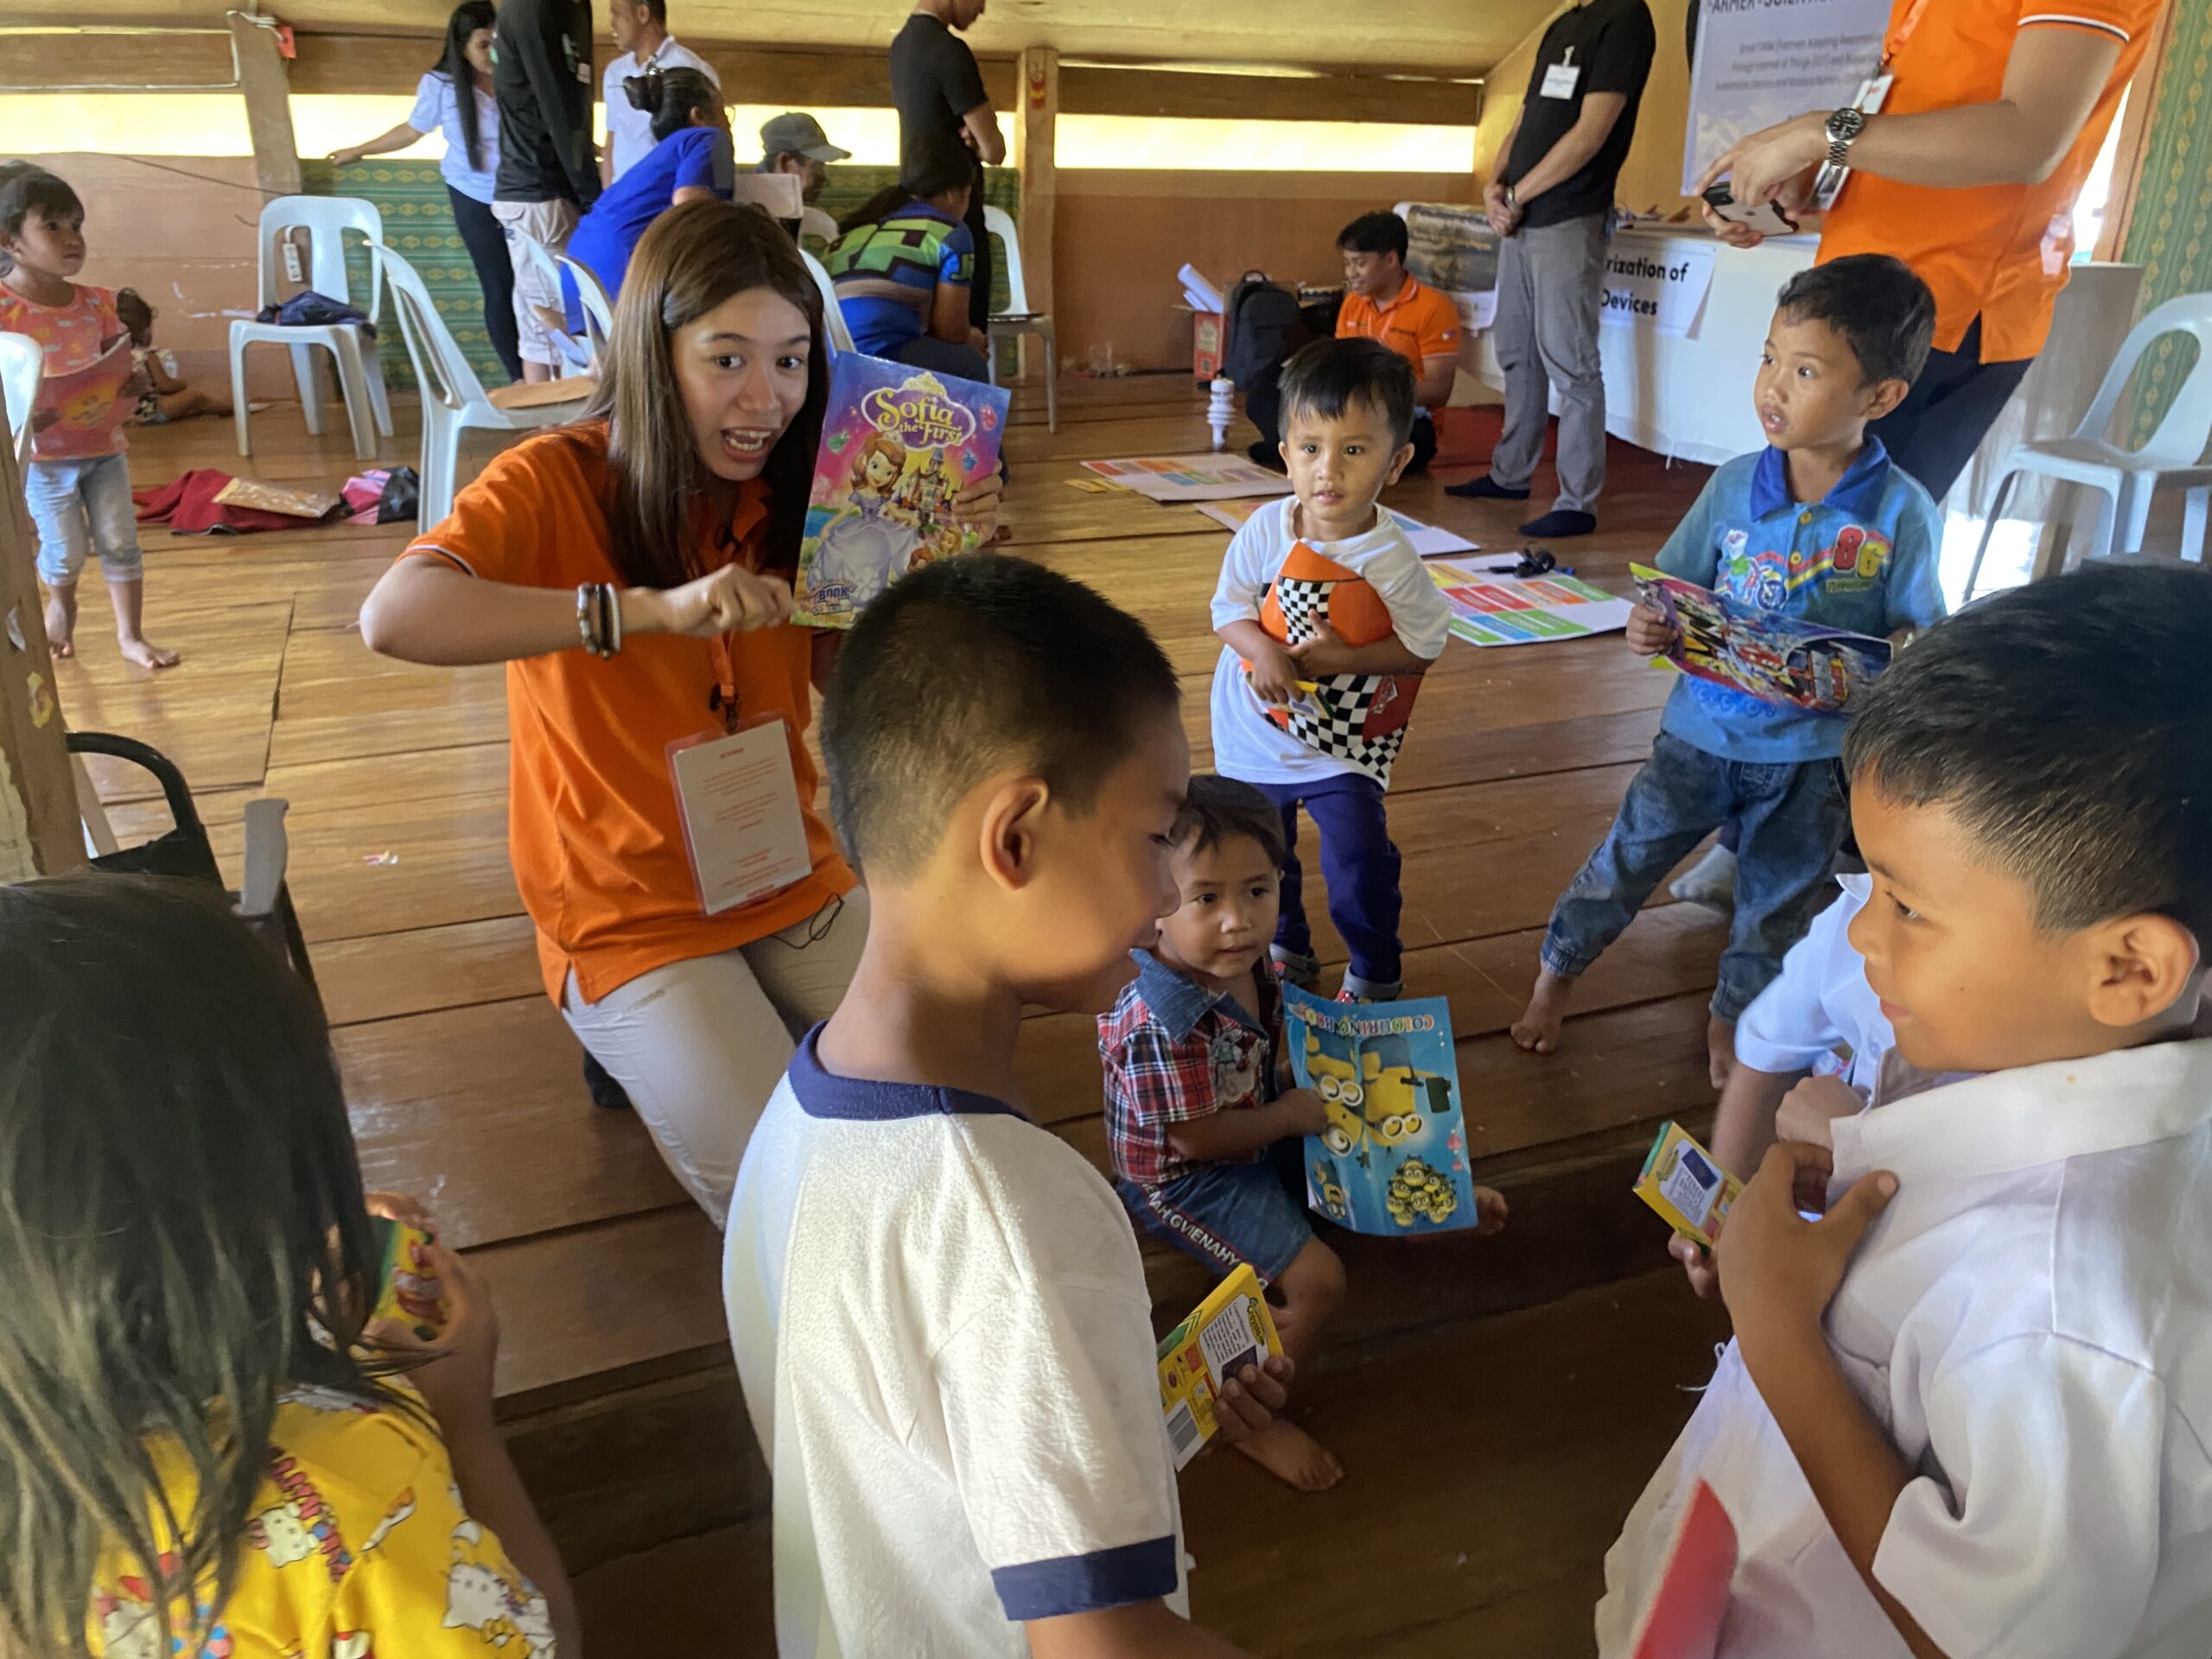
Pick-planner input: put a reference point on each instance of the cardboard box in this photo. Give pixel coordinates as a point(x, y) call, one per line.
point(1208, 340)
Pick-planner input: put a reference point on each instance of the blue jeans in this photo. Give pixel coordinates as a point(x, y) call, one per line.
point(81, 507)
point(1793, 819)
point(1362, 868)
point(1224, 1214)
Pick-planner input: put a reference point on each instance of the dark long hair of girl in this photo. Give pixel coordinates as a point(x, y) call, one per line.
point(467, 19)
point(693, 258)
point(939, 163)
point(180, 1212)
point(670, 97)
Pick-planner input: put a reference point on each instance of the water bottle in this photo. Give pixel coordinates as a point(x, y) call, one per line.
point(1221, 409)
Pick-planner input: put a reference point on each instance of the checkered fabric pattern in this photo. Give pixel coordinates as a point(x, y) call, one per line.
point(1301, 601)
point(1156, 1080)
point(1334, 720)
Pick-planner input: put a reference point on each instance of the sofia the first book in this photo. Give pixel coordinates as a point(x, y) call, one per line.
point(898, 445)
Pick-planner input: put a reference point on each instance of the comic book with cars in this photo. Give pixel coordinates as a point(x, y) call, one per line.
point(1392, 1160)
point(1763, 654)
point(898, 444)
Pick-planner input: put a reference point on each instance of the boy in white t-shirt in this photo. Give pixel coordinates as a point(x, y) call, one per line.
point(939, 1316)
point(1966, 1414)
point(1328, 622)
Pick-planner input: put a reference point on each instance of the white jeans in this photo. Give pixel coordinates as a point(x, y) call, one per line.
point(701, 1045)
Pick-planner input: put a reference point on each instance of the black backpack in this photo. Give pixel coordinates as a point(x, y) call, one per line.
point(1263, 329)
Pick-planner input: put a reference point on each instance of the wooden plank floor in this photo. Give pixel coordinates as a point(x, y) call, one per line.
point(464, 1081)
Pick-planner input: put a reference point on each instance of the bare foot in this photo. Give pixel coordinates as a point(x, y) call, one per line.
point(1720, 1050)
point(60, 623)
point(1537, 1029)
point(146, 654)
point(1293, 1456)
point(1490, 1211)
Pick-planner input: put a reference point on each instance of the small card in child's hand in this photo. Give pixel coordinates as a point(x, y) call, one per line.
point(1231, 1329)
point(1681, 1181)
point(410, 1292)
point(898, 444)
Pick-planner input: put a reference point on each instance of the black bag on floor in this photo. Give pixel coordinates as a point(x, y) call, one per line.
point(1263, 329)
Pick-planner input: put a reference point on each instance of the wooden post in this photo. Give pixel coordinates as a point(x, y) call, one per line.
point(267, 88)
point(1038, 91)
point(40, 832)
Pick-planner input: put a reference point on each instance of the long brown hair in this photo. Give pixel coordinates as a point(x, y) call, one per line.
point(694, 259)
point(183, 1240)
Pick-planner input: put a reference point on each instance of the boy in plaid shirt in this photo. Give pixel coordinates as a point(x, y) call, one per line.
point(1192, 1100)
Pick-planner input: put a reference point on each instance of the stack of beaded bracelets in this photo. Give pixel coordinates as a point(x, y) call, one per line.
point(599, 618)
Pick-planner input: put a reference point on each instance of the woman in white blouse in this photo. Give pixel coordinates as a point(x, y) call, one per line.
point(471, 126)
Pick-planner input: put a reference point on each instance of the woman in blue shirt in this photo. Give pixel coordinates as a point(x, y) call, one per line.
point(455, 98)
point(903, 266)
point(691, 160)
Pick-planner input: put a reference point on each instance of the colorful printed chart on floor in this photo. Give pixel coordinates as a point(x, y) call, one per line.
point(1497, 610)
point(1191, 477)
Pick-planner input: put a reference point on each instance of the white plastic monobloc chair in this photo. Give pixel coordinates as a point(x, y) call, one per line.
point(813, 222)
point(576, 353)
point(23, 360)
point(1018, 319)
point(2126, 479)
point(454, 401)
point(599, 311)
point(833, 315)
point(360, 377)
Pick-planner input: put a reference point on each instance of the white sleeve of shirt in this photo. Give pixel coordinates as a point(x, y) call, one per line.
point(1789, 1025)
point(1052, 1413)
point(1420, 614)
point(1255, 553)
point(677, 53)
point(429, 113)
point(2042, 1540)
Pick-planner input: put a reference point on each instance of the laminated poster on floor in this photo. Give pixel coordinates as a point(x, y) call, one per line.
point(1191, 477)
point(898, 444)
point(1492, 609)
point(1429, 540)
point(1767, 655)
point(1392, 1160)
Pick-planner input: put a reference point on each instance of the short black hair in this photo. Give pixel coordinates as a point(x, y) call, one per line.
point(25, 188)
point(1329, 376)
point(1883, 312)
point(1221, 809)
point(2067, 725)
point(967, 666)
point(1383, 232)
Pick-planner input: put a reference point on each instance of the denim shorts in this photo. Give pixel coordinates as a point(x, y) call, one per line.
point(1224, 1214)
point(83, 507)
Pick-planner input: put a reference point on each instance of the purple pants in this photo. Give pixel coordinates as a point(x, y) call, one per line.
point(1359, 863)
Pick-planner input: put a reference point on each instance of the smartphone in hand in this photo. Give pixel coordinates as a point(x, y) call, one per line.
point(1767, 218)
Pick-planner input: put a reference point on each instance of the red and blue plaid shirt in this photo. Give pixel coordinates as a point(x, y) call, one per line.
point(1173, 1050)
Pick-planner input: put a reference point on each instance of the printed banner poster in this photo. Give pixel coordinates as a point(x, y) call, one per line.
point(1759, 62)
point(1451, 247)
point(1392, 1160)
point(1657, 285)
point(1488, 610)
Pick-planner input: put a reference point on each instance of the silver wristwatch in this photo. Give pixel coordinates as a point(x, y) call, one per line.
point(1844, 125)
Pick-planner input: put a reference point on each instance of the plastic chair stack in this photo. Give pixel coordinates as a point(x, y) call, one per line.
point(599, 311)
point(2173, 457)
point(324, 220)
point(1018, 319)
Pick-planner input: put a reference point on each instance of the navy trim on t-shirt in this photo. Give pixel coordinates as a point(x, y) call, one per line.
point(1085, 1584)
point(1858, 492)
point(824, 1093)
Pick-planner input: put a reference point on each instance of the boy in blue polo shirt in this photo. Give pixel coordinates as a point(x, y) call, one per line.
point(1818, 525)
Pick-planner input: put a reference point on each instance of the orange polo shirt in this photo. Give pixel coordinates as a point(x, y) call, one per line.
point(1420, 322)
point(1997, 251)
point(592, 822)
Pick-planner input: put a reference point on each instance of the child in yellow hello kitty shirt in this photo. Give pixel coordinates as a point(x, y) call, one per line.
point(229, 1461)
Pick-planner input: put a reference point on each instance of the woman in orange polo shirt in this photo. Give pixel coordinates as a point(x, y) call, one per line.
point(632, 571)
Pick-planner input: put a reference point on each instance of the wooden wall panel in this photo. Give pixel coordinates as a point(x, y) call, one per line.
point(1090, 90)
point(76, 62)
point(1121, 235)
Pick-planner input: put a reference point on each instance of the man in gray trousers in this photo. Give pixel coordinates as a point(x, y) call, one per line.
point(1552, 201)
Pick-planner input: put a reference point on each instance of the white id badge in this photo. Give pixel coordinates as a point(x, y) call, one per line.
point(1560, 79)
point(738, 798)
point(1827, 183)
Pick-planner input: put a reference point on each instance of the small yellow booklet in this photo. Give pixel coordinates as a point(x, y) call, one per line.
point(1230, 1329)
point(1681, 1181)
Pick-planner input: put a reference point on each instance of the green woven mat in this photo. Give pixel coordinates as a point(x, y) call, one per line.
point(418, 223)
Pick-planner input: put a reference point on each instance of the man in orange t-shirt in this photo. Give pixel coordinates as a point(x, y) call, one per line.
point(1968, 173)
point(1382, 302)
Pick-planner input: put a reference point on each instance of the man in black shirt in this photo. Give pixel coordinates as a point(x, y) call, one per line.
point(1551, 202)
point(541, 75)
point(938, 89)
